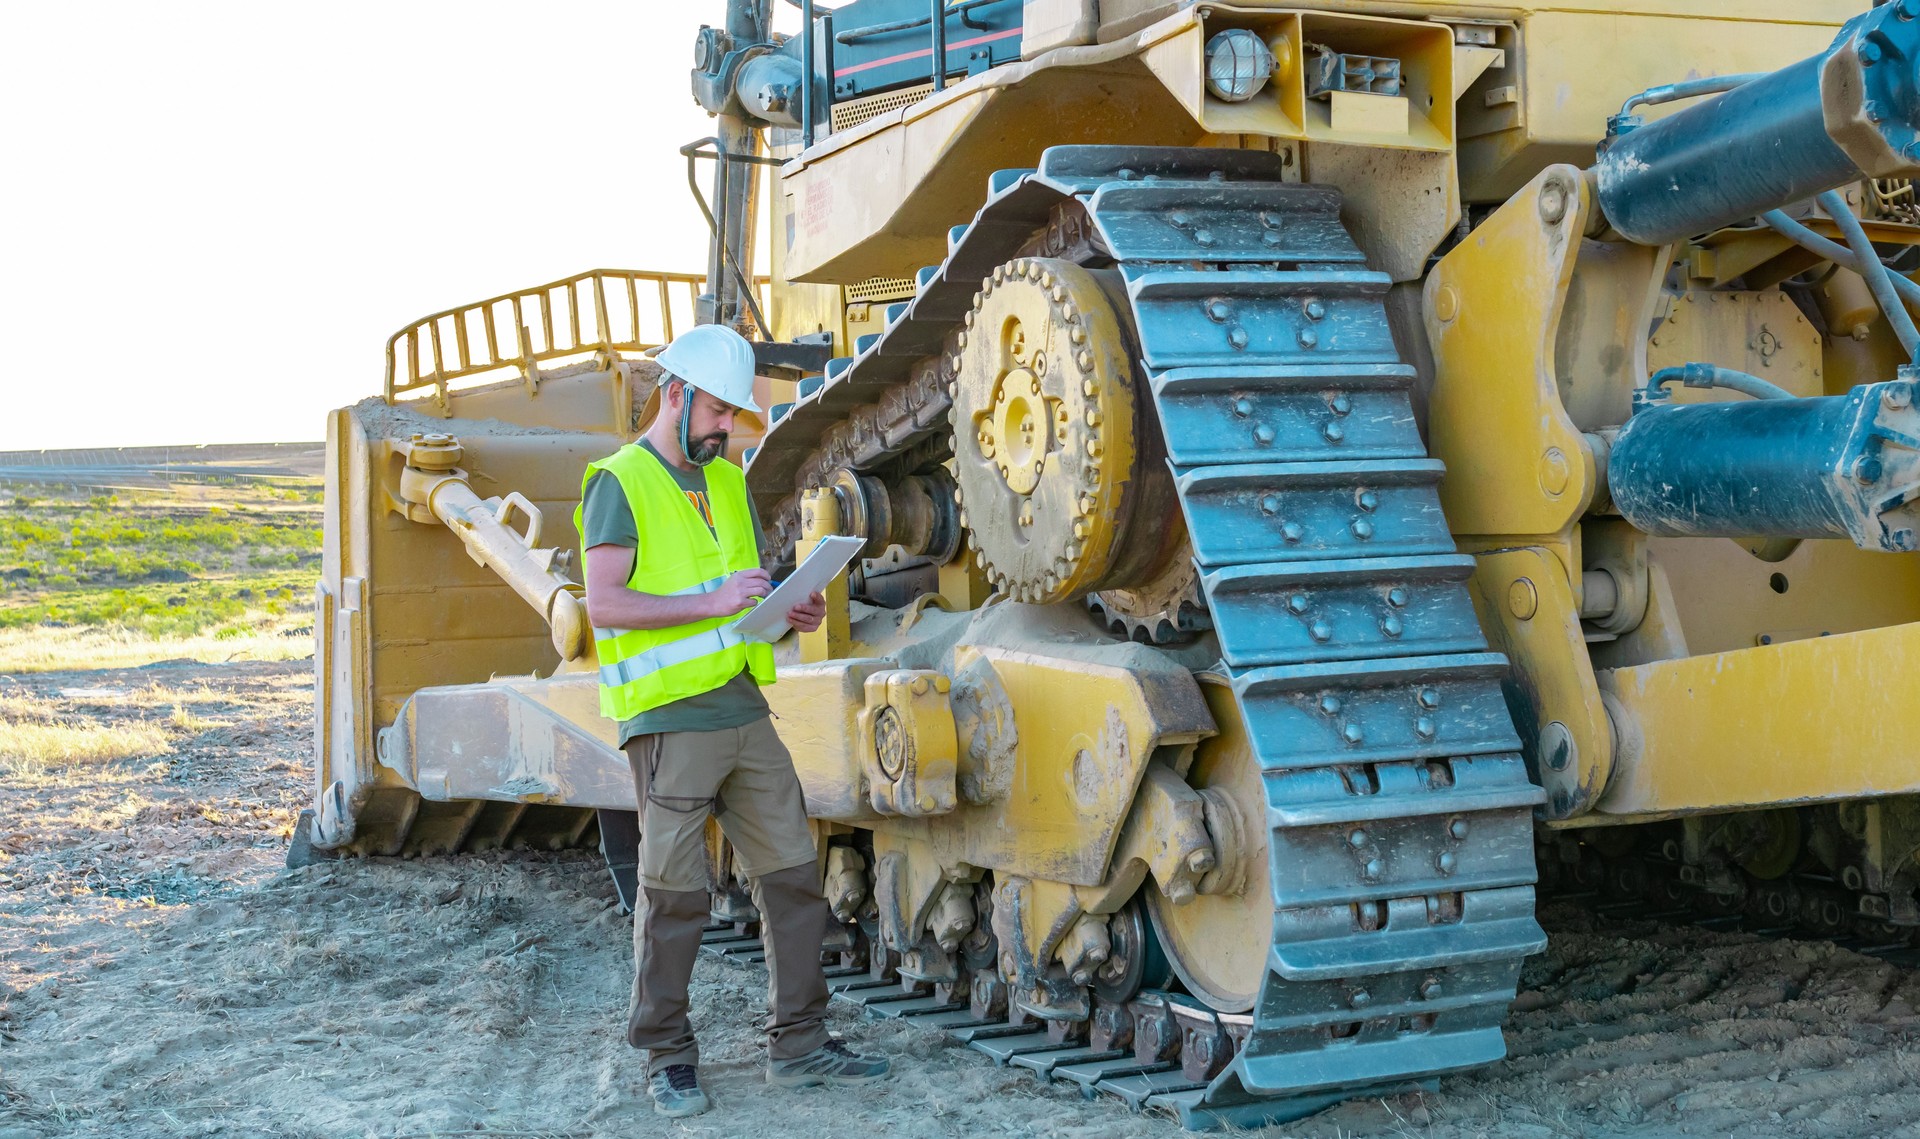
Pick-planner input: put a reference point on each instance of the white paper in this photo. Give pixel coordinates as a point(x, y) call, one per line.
point(767, 621)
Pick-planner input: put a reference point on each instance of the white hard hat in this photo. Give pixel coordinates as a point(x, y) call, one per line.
point(715, 359)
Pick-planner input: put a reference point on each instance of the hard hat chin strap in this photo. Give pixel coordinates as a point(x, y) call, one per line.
point(686, 427)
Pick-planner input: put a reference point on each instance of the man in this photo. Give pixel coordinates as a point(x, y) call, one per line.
point(672, 557)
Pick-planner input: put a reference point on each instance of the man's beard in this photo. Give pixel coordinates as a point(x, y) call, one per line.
point(707, 447)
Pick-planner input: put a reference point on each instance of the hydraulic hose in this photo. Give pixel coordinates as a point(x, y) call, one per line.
point(1879, 279)
point(1706, 376)
point(1686, 89)
point(1833, 251)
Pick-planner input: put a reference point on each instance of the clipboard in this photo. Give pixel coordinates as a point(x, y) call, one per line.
point(767, 621)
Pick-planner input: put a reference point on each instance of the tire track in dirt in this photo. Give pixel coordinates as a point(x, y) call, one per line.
point(161, 975)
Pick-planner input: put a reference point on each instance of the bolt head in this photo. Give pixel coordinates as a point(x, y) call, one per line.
point(1457, 828)
point(1446, 862)
point(1357, 837)
point(1330, 704)
point(1297, 603)
point(1321, 631)
point(1352, 733)
point(1523, 601)
point(1429, 697)
point(1293, 531)
point(1425, 728)
point(1553, 202)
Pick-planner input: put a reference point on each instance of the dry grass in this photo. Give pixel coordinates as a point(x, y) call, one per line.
point(54, 650)
point(29, 747)
point(26, 709)
point(185, 720)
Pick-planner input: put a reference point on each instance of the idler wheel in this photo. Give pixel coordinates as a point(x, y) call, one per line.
point(1218, 942)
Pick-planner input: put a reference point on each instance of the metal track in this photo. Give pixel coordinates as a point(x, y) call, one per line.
point(1803, 905)
point(1401, 813)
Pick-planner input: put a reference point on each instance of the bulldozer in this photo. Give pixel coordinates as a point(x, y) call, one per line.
point(1327, 469)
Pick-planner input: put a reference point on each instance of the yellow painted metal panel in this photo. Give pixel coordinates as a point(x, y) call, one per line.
point(1053, 746)
point(817, 708)
point(1526, 606)
point(1575, 64)
point(1729, 599)
point(1516, 464)
point(1821, 719)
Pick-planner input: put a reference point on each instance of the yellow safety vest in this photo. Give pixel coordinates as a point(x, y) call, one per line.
point(679, 555)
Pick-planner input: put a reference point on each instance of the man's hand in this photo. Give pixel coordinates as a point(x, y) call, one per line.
point(741, 591)
point(807, 615)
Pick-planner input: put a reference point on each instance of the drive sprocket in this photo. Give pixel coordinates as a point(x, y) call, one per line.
point(1061, 479)
point(1166, 609)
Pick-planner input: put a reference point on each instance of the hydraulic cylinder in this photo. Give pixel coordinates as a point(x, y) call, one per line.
point(1845, 114)
point(1826, 467)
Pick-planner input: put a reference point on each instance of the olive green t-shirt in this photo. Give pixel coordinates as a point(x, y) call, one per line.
point(607, 519)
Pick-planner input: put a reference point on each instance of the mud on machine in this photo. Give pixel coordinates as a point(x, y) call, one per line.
point(1325, 470)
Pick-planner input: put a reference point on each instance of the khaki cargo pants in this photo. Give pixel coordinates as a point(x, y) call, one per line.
point(744, 778)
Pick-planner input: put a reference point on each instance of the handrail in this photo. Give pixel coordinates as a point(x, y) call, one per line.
point(722, 156)
point(573, 316)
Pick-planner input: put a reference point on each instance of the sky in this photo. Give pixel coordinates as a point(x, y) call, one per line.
point(215, 213)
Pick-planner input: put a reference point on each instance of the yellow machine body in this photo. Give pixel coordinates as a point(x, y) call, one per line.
point(990, 761)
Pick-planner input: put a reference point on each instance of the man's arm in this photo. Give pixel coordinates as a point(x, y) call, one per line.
point(612, 605)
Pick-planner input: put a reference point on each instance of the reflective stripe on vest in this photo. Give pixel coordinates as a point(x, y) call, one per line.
point(687, 552)
point(605, 634)
point(687, 648)
point(602, 633)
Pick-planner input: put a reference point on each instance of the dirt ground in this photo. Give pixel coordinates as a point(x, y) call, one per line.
point(161, 974)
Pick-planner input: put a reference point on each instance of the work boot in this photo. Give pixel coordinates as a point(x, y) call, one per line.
point(676, 1091)
point(832, 1063)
